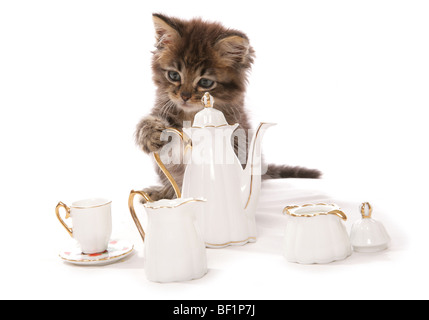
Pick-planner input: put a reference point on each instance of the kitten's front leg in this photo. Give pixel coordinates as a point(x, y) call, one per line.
point(159, 192)
point(148, 137)
point(148, 133)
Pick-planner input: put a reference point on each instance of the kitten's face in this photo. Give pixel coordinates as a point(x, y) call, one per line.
point(194, 57)
point(185, 84)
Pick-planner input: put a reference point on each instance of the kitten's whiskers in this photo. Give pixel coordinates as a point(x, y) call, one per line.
point(166, 108)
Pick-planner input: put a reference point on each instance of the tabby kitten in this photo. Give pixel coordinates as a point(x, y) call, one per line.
point(191, 58)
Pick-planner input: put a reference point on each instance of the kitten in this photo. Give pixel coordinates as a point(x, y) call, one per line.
point(191, 58)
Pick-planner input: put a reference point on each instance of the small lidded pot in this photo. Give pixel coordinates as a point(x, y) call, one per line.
point(315, 233)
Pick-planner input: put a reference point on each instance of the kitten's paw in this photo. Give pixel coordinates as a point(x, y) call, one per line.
point(159, 192)
point(148, 134)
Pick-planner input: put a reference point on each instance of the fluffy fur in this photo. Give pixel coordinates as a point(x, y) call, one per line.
point(191, 58)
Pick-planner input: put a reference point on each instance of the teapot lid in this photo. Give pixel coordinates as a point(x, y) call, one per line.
point(209, 116)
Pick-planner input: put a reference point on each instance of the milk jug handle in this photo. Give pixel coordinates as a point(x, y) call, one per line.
point(133, 212)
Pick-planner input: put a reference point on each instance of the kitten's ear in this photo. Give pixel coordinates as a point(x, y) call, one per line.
point(166, 30)
point(235, 49)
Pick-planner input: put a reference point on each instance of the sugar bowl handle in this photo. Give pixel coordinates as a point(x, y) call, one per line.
point(340, 214)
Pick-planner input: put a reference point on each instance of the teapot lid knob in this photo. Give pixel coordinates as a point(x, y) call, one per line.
point(207, 100)
point(209, 116)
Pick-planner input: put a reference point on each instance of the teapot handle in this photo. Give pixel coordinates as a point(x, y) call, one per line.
point(147, 198)
point(185, 139)
point(170, 178)
point(167, 174)
point(133, 212)
point(188, 144)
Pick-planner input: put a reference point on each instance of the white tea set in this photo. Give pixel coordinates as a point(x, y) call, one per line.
point(216, 206)
point(215, 209)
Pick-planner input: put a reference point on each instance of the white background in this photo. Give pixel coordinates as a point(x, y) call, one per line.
point(346, 81)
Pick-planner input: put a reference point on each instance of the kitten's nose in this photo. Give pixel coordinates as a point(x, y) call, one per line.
point(185, 96)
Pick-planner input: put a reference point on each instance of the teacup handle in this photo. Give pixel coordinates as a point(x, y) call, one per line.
point(133, 212)
point(57, 211)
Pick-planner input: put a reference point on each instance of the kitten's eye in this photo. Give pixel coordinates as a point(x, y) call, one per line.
point(174, 76)
point(205, 83)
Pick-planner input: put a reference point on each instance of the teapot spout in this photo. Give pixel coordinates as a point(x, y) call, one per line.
point(251, 178)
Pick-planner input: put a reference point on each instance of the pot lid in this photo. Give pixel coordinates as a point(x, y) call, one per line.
point(209, 116)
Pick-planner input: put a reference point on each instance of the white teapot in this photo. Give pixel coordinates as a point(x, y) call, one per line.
point(215, 173)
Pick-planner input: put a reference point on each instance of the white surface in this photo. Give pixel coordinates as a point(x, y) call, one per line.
point(252, 271)
point(75, 79)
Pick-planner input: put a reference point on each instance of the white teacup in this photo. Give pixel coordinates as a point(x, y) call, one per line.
point(92, 223)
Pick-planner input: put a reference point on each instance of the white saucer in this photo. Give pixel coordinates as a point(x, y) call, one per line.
point(116, 250)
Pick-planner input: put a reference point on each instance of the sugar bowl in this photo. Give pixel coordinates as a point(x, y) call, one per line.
point(315, 233)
